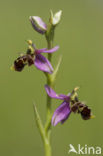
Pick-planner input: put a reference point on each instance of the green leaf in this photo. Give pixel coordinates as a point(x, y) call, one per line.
point(54, 75)
point(39, 123)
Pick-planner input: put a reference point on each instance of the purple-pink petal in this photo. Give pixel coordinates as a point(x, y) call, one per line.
point(45, 50)
point(43, 64)
point(38, 24)
point(51, 50)
point(38, 51)
point(53, 94)
point(61, 114)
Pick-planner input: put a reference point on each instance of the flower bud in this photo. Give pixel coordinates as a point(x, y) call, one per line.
point(38, 24)
point(55, 19)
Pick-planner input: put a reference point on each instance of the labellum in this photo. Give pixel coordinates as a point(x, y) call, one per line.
point(81, 108)
point(21, 61)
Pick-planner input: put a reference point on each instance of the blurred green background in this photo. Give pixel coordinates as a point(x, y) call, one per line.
point(80, 36)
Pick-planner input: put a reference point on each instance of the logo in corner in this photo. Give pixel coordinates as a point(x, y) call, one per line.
point(72, 149)
point(85, 149)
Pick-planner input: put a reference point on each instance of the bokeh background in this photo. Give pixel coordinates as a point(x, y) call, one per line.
point(80, 36)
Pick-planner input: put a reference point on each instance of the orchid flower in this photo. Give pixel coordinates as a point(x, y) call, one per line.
point(36, 58)
point(70, 104)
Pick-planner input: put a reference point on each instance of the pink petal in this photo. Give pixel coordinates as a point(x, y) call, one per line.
point(61, 114)
point(43, 64)
point(53, 94)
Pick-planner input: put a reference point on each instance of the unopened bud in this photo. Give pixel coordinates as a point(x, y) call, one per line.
point(38, 24)
point(55, 19)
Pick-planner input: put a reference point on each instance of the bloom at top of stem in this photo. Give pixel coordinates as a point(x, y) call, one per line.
point(40, 26)
point(55, 19)
point(34, 56)
point(70, 104)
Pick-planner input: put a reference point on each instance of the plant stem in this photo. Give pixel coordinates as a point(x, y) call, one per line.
point(50, 45)
point(47, 149)
point(49, 101)
point(49, 82)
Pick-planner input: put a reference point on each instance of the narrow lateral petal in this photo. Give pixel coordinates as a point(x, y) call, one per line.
point(43, 64)
point(61, 114)
point(51, 50)
point(53, 94)
point(45, 50)
point(38, 51)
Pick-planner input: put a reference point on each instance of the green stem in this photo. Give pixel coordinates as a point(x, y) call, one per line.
point(49, 82)
point(50, 45)
point(49, 101)
point(47, 149)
